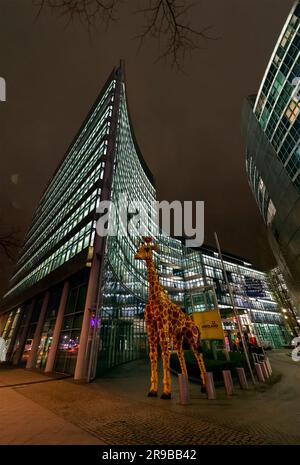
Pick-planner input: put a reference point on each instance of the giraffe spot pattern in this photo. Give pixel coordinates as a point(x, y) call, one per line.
point(165, 321)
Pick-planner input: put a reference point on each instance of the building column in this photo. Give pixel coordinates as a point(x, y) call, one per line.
point(3, 320)
point(81, 363)
point(95, 279)
point(23, 335)
point(14, 329)
point(37, 334)
point(57, 328)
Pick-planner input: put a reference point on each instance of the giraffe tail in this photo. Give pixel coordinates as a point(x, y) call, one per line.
point(199, 346)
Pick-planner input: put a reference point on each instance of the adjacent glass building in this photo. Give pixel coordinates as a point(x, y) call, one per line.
point(76, 300)
point(271, 124)
point(283, 298)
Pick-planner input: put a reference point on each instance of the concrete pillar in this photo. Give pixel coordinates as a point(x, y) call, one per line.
point(259, 373)
point(81, 363)
point(210, 386)
point(57, 328)
point(184, 395)
point(3, 320)
point(242, 378)
point(268, 365)
point(81, 369)
point(37, 334)
point(228, 382)
point(14, 327)
point(23, 336)
point(264, 370)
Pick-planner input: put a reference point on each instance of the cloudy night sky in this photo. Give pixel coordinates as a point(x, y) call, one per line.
point(188, 124)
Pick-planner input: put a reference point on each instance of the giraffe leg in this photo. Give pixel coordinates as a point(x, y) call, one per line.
point(153, 360)
point(199, 357)
point(178, 347)
point(165, 354)
point(153, 339)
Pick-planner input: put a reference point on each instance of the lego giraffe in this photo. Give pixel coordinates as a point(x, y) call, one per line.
point(166, 322)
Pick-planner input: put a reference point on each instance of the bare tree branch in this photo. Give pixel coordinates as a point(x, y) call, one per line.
point(9, 241)
point(88, 11)
point(167, 21)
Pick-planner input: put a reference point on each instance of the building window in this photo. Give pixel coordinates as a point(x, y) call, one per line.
point(293, 110)
point(69, 337)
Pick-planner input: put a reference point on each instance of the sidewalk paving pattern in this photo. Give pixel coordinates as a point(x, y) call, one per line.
point(115, 410)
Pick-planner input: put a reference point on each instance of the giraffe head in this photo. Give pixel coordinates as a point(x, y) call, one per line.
point(145, 250)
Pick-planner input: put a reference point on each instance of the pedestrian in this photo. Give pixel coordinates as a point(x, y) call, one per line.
point(236, 347)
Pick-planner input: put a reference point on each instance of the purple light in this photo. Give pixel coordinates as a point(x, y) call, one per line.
point(93, 321)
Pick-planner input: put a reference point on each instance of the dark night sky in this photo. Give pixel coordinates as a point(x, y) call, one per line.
point(188, 125)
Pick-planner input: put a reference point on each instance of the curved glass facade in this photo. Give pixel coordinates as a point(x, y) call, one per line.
point(271, 123)
point(130, 184)
point(277, 105)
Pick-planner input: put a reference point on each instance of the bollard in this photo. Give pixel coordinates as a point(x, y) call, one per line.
point(259, 373)
point(184, 395)
point(267, 369)
point(210, 386)
point(268, 365)
point(264, 370)
point(228, 382)
point(242, 378)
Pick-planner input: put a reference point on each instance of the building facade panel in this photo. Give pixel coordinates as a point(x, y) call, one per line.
point(271, 124)
point(100, 324)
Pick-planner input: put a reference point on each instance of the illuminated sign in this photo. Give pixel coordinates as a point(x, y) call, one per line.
point(210, 324)
point(254, 287)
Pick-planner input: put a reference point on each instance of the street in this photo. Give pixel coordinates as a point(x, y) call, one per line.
point(36, 409)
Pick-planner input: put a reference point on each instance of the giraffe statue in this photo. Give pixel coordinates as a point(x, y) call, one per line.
point(166, 323)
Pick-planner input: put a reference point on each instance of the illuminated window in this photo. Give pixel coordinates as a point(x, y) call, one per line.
point(287, 36)
point(293, 110)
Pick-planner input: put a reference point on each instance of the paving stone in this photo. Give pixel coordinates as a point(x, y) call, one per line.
point(115, 410)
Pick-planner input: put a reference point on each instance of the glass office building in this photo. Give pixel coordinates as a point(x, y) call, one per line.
point(283, 297)
point(76, 300)
point(271, 124)
point(254, 302)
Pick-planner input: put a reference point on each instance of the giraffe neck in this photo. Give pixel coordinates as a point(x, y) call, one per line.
point(154, 284)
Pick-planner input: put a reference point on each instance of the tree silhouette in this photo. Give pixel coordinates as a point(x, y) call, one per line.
point(167, 21)
point(9, 241)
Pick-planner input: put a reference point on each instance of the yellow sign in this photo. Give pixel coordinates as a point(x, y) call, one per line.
point(210, 324)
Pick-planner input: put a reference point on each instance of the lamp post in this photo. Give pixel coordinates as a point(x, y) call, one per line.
point(235, 310)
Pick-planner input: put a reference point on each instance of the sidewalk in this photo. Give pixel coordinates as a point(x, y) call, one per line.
point(116, 410)
point(23, 421)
